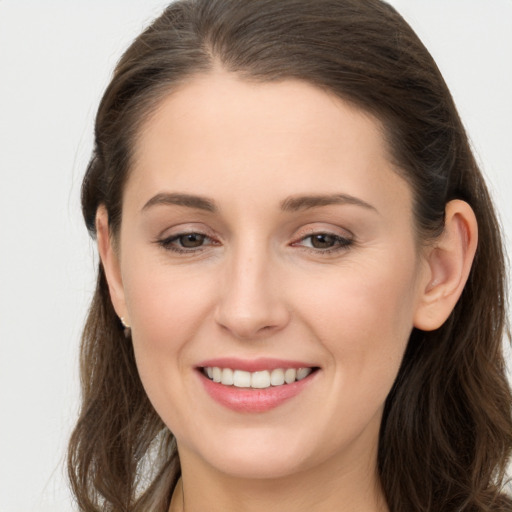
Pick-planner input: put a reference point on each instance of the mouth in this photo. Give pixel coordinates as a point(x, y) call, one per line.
point(262, 379)
point(257, 385)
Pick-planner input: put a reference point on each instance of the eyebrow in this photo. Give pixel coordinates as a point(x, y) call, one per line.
point(293, 204)
point(188, 200)
point(290, 204)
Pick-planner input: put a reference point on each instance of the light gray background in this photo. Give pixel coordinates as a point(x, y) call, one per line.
point(55, 60)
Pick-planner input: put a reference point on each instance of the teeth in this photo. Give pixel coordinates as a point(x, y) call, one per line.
point(257, 380)
point(302, 373)
point(227, 377)
point(260, 380)
point(217, 374)
point(277, 377)
point(241, 379)
point(289, 375)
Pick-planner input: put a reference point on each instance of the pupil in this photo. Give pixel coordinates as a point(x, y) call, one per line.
point(192, 240)
point(322, 241)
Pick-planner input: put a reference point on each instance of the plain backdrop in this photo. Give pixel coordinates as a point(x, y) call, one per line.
point(55, 60)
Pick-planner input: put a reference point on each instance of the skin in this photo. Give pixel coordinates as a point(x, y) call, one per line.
point(259, 287)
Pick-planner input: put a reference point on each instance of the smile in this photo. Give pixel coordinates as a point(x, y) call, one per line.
point(256, 380)
point(255, 385)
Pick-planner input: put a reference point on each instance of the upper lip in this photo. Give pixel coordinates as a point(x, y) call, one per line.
point(253, 365)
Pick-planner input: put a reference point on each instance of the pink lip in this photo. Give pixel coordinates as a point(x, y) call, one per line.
point(253, 365)
point(250, 400)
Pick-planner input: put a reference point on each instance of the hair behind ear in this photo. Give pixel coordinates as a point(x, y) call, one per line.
point(448, 418)
point(117, 424)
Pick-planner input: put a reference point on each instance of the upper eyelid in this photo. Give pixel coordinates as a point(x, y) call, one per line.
point(339, 238)
point(300, 234)
point(181, 230)
point(176, 236)
point(184, 233)
point(329, 233)
point(172, 245)
point(310, 231)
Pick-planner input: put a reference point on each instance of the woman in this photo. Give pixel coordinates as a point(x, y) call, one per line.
point(300, 302)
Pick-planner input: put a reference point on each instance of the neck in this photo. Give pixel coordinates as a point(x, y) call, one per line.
point(329, 487)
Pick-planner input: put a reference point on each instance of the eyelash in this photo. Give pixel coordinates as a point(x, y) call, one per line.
point(170, 243)
point(341, 243)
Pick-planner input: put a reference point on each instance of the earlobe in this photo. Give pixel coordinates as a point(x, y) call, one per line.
point(448, 262)
point(110, 261)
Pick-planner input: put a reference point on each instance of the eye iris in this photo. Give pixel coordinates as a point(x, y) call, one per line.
point(191, 240)
point(323, 241)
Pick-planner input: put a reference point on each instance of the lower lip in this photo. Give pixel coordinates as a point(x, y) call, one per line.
point(253, 400)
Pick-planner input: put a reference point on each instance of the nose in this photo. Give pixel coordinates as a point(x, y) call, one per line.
point(251, 302)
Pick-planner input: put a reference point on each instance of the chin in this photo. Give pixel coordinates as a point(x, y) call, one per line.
point(258, 467)
point(255, 456)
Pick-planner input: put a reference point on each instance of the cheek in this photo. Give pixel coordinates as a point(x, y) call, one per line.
point(163, 300)
point(364, 317)
point(165, 306)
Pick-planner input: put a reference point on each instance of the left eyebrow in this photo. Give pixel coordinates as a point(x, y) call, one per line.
point(187, 200)
point(296, 203)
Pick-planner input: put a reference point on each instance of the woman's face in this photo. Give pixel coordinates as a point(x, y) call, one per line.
point(264, 230)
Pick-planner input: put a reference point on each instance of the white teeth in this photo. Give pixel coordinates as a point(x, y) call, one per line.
point(217, 374)
point(257, 380)
point(302, 373)
point(241, 379)
point(260, 380)
point(227, 377)
point(290, 375)
point(277, 377)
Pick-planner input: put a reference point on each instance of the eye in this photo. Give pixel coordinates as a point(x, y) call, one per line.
point(186, 242)
point(191, 240)
point(324, 242)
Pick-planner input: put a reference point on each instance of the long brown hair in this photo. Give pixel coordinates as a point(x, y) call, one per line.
point(446, 433)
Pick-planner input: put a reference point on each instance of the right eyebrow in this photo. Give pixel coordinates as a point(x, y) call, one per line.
point(187, 200)
point(297, 203)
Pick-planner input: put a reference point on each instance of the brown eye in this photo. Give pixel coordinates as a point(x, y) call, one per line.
point(324, 241)
point(191, 240)
point(186, 242)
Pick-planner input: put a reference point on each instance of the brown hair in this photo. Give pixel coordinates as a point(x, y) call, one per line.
point(446, 433)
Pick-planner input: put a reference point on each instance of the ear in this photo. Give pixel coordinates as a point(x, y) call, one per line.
point(448, 263)
point(110, 260)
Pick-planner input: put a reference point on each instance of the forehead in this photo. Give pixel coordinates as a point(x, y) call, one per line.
point(220, 133)
point(216, 103)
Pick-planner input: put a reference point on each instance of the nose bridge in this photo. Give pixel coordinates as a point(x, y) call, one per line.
point(251, 300)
